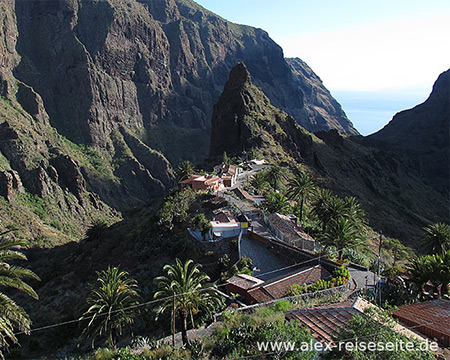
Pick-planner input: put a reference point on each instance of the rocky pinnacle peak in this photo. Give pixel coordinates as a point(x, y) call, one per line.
point(239, 77)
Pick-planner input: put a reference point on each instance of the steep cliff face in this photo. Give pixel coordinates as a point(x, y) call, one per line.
point(323, 111)
point(51, 188)
point(101, 64)
point(398, 198)
point(422, 134)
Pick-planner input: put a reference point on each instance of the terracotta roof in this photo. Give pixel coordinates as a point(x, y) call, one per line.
point(211, 179)
point(244, 281)
point(434, 315)
point(191, 179)
point(326, 321)
point(242, 194)
point(224, 217)
point(278, 287)
point(230, 170)
point(288, 227)
point(324, 324)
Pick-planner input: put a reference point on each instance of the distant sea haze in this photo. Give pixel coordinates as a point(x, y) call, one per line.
point(369, 111)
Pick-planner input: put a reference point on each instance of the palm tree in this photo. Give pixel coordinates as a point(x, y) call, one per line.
point(259, 181)
point(275, 175)
point(354, 211)
point(225, 159)
point(341, 233)
point(184, 170)
point(328, 208)
point(437, 238)
point(276, 203)
point(440, 270)
point(184, 290)
point(96, 230)
point(112, 305)
point(299, 189)
point(419, 272)
point(12, 316)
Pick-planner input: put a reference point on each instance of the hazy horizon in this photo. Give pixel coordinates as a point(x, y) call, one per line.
point(370, 111)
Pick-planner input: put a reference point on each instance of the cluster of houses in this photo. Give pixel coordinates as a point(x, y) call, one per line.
point(224, 176)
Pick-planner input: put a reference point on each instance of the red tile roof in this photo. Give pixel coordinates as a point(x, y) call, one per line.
point(288, 228)
point(211, 179)
point(434, 315)
point(278, 287)
point(230, 170)
point(244, 281)
point(191, 179)
point(325, 322)
point(242, 194)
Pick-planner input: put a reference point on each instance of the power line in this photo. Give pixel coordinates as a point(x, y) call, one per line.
point(46, 327)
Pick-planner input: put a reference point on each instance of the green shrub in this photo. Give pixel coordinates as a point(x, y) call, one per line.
point(341, 271)
point(296, 289)
point(282, 305)
point(320, 285)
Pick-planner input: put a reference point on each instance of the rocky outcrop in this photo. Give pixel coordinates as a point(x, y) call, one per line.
point(421, 134)
point(66, 172)
point(10, 182)
point(244, 120)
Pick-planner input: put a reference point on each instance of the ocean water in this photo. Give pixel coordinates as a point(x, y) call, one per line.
point(369, 111)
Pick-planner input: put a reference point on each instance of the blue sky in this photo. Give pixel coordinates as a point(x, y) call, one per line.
point(379, 49)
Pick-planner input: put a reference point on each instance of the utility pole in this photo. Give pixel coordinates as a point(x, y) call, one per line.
point(378, 265)
point(173, 320)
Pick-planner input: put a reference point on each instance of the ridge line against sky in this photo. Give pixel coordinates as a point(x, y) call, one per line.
point(377, 58)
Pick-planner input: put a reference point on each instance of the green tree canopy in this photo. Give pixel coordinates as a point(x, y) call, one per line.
point(12, 316)
point(204, 225)
point(434, 268)
point(341, 233)
point(187, 289)
point(436, 239)
point(276, 203)
point(184, 171)
point(299, 189)
point(275, 175)
point(112, 305)
point(259, 181)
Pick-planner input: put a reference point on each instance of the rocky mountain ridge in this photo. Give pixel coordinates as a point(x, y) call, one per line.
point(140, 64)
point(422, 134)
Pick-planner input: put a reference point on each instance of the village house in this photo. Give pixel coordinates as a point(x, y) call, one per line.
point(434, 316)
point(325, 321)
point(226, 225)
point(201, 182)
point(254, 290)
point(228, 173)
point(244, 195)
point(286, 229)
